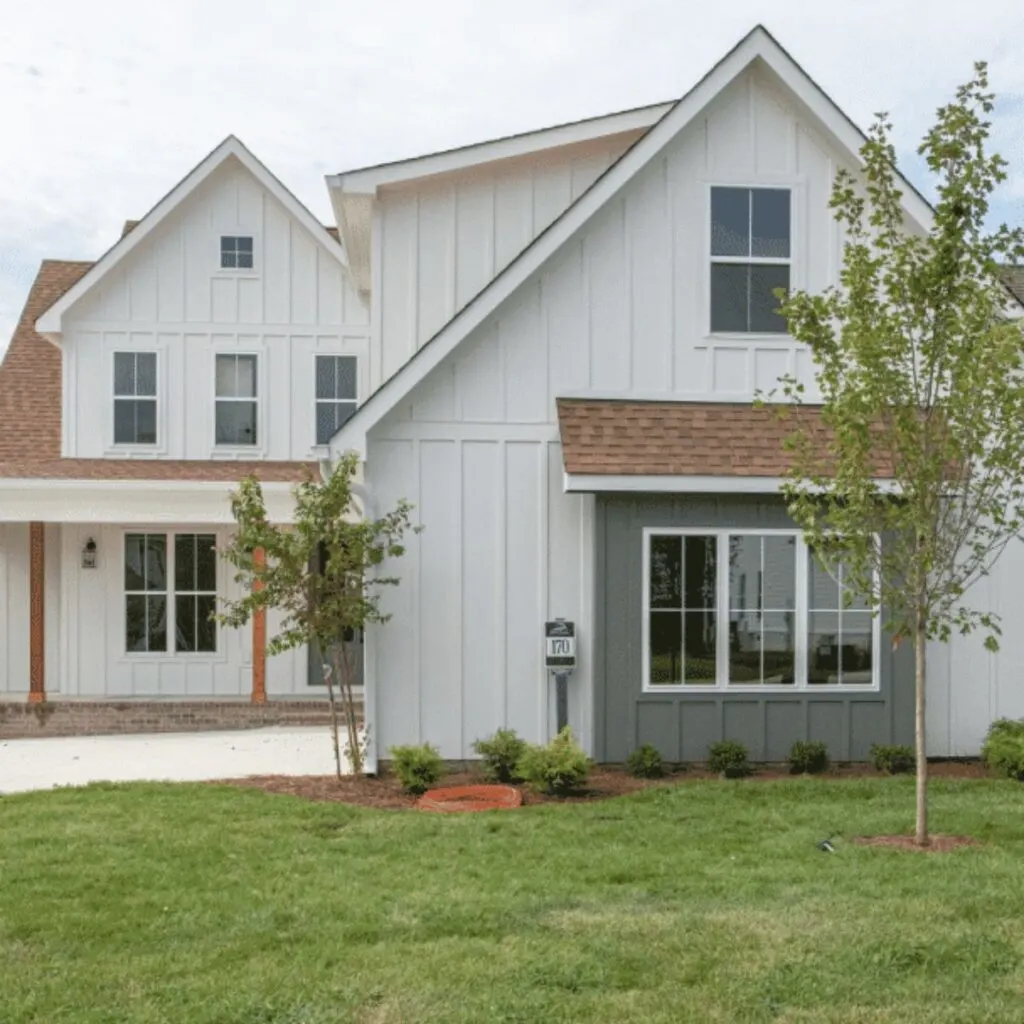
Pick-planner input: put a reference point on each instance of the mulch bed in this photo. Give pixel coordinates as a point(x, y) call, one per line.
point(937, 844)
point(386, 793)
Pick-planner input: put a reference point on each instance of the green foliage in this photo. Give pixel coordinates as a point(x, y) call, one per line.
point(558, 767)
point(501, 753)
point(645, 762)
point(729, 758)
point(920, 375)
point(417, 767)
point(324, 574)
point(1003, 750)
point(892, 758)
point(808, 757)
point(920, 371)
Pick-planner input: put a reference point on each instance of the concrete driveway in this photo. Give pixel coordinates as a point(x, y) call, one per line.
point(173, 757)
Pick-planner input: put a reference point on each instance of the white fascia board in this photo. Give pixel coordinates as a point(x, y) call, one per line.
point(597, 483)
point(131, 501)
point(366, 180)
point(758, 44)
point(49, 324)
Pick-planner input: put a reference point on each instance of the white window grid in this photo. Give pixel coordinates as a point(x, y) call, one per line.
point(802, 620)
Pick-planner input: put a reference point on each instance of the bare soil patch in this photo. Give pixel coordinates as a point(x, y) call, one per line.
point(938, 844)
point(386, 793)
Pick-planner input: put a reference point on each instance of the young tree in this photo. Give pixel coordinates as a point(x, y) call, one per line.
point(324, 573)
point(919, 364)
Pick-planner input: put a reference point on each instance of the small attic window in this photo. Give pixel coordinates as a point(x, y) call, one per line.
point(236, 252)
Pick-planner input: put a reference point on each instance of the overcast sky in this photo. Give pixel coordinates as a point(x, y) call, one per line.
point(105, 105)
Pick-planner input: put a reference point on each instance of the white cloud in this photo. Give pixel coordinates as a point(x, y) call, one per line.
point(107, 104)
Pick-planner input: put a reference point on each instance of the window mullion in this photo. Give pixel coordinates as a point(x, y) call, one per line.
point(722, 611)
point(801, 615)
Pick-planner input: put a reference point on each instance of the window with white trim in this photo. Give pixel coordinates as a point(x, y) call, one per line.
point(159, 603)
point(336, 394)
point(236, 400)
point(134, 398)
point(750, 258)
point(236, 252)
point(733, 609)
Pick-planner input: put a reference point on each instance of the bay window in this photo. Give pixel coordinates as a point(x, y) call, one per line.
point(740, 609)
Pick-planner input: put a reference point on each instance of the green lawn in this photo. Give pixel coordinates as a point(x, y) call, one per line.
point(702, 902)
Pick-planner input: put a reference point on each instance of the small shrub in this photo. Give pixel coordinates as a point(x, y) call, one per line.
point(892, 758)
point(558, 767)
point(417, 767)
point(1003, 750)
point(808, 756)
point(645, 762)
point(729, 758)
point(501, 753)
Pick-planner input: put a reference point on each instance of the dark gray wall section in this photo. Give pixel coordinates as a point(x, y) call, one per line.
point(681, 725)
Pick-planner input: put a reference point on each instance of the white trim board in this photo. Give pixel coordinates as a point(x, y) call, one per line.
point(756, 46)
point(597, 483)
point(130, 502)
point(366, 180)
point(49, 324)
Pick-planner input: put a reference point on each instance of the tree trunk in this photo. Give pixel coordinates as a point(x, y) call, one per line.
point(328, 678)
point(341, 657)
point(921, 826)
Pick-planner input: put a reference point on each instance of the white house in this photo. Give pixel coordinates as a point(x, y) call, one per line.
point(550, 344)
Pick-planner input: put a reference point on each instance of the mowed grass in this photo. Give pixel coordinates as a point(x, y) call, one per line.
point(703, 902)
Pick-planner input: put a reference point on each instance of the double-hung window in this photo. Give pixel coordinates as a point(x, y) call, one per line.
point(336, 394)
point(236, 401)
point(734, 608)
point(170, 593)
point(134, 398)
point(750, 258)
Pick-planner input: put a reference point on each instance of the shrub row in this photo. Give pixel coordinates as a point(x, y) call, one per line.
point(561, 766)
point(558, 767)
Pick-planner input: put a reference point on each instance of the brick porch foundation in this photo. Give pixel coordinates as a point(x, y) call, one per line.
point(94, 718)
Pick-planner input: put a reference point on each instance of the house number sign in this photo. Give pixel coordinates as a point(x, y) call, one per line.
point(560, 645)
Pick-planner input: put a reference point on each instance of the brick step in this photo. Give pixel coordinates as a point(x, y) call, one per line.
point(96, 718)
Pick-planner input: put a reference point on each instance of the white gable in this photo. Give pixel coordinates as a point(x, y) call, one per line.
point(174, 275)
point(738, 114)
point(623, 309)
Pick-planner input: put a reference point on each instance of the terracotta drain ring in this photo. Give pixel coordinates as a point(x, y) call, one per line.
point(470, 798)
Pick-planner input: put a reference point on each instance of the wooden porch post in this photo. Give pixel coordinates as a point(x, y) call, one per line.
point(259, 640)
point(36, 613)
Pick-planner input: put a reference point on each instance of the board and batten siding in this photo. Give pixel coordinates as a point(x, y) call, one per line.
point(682, 725)
point(171, 296)
point(503, 548)
point(623, 309)
point(968, 686)
point(438, 243)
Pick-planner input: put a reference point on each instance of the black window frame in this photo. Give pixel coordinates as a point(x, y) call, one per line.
point(133, 401)
point(741, 263)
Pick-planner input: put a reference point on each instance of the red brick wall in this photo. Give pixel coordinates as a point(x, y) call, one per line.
point(85, 718)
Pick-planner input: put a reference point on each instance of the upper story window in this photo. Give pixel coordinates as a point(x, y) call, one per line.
point(729, 608)
point(134, 398)
point(236, 400)
point(336, 394)
point(236, 252)
point(750, 258)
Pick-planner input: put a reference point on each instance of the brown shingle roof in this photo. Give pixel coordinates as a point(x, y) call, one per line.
point(677, 438)
point(30, 409)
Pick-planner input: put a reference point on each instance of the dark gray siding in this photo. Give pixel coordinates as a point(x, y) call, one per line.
point(681, 725)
